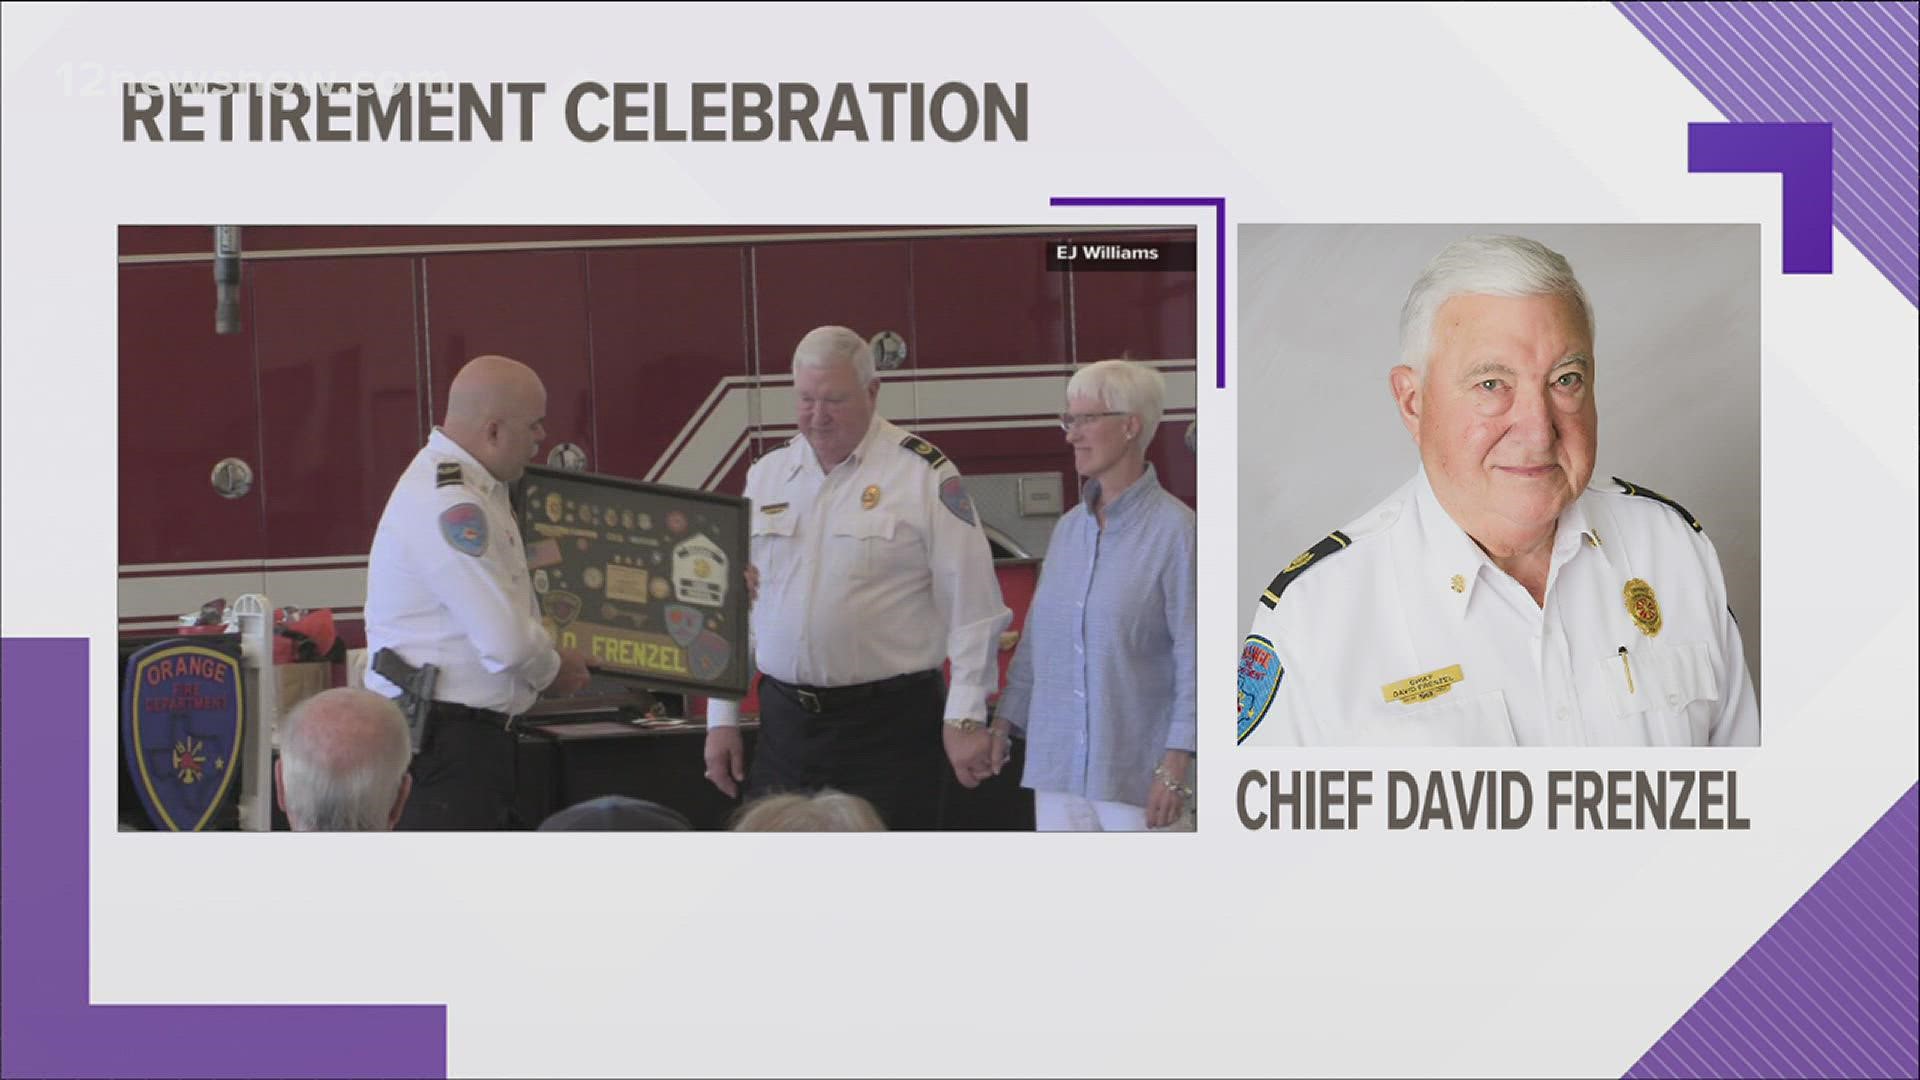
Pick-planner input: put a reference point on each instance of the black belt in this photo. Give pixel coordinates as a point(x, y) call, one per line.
point(821, 699)
point(453, 710)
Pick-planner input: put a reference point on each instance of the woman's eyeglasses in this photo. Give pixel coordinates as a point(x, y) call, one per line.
point(1069, 421)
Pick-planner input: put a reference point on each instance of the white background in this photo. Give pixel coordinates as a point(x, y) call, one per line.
point(1229, 951)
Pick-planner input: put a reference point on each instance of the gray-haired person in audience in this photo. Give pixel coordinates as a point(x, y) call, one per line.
point(821, 811)
point(616, 813)
point(343, 763)
point(1103, 680)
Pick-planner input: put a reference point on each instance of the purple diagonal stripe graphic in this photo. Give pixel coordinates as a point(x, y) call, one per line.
point(47, 1027)
point(1854, 65)
point(1832, 988)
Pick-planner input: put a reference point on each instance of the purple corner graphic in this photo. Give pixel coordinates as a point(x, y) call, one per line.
point(47, 1026)
point(1219, 256)
point(1851, 67)
point(1832, 989)
point(1803, 156)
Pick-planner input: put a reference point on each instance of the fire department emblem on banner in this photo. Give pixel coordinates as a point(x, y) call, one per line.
point(180, 726)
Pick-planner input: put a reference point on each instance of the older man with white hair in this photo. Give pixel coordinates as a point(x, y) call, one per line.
point(343, 763)
point(1496, 599)
point(872, 570)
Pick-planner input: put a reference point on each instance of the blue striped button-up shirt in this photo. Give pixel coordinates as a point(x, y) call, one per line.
point(1103, 680)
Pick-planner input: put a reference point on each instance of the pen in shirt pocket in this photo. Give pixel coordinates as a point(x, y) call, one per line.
point(1626, 666)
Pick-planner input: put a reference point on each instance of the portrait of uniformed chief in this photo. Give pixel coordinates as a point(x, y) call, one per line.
point(1506, 593)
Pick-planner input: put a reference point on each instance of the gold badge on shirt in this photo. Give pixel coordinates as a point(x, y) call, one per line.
point(870, 498)
point(1419, 688)
point(1643, 606)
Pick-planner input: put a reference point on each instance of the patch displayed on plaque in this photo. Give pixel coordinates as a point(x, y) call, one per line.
point(700, 573)
point(683, 623)
point(180, 728)
point(709, 655)
point(563, 606)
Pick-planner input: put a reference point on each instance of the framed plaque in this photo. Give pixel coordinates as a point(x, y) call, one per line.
point(649, 581)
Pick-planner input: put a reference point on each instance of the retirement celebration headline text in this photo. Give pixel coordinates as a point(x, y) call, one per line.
point(622, 112)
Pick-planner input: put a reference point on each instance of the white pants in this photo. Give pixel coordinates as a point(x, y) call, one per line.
point(1055, 811)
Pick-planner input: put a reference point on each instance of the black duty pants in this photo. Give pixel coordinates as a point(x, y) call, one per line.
point(463, 777)
point(886, 748)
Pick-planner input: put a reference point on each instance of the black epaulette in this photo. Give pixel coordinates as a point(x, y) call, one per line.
point(1636, 489)
point(448, 475)
point(928, 452)
point(1336, 541)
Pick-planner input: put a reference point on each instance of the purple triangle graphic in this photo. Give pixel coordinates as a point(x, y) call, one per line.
point(1850, 65)
point(1832, 989)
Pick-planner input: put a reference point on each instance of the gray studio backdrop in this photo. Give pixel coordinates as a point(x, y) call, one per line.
point(1676, 379)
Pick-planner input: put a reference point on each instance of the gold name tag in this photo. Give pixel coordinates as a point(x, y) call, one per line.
point(1422, 687)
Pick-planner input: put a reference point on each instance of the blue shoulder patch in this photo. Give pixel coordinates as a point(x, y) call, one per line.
point(953, 495)
point(464, 526)
point(1260, 673)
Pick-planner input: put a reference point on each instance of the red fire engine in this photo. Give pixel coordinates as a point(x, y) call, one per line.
point(259, 461)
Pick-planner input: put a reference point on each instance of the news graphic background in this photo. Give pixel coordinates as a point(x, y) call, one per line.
point(1233, 950)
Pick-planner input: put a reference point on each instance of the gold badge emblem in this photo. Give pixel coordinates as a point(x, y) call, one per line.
point(1459, 583)
point(1419, 688)
point(1299, 561)
point(1643, 606)
point(870, 498)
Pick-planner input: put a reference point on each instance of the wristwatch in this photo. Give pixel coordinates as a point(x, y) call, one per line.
point(966, 725)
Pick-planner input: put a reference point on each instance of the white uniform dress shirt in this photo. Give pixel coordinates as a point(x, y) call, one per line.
point(1401, 631)
point(447, 584)
point(875, 569)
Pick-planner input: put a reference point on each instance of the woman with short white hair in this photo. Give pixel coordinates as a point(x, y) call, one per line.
point(1102, 683)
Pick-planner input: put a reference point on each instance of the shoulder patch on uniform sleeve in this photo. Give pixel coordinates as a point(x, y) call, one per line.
point(1260, 674)
point(1647, 493)
point(447, 475)
point(926, 450)
point(953, 495)
point(1335, 541)
point(464, 527)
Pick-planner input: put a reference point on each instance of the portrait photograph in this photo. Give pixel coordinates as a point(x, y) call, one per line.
point(1499, 485)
